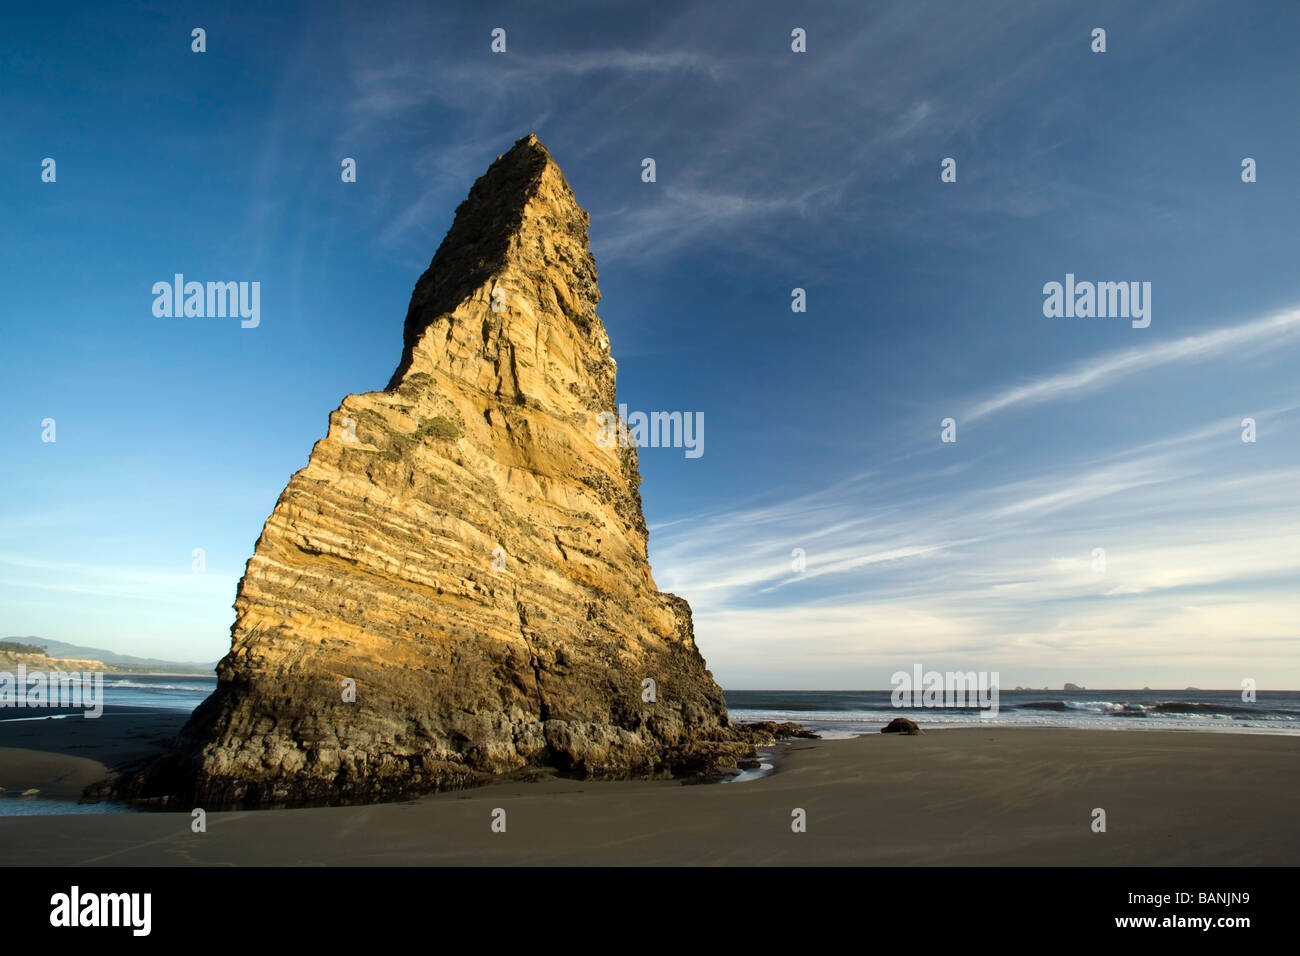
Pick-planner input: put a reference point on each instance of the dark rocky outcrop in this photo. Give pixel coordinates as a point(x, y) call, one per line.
point(463, 557)
point(901, 725)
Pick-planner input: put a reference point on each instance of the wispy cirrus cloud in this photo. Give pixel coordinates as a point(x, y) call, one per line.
point(1198, 557)
point(1282, 328)
point(683, 214)
point(136, 584)
point(624, 61)
point(745, 112)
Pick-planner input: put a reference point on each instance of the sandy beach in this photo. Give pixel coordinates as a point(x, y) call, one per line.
point(957, 797)
point(62, 756)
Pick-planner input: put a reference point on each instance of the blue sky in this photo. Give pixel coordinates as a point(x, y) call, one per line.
point(775, 170)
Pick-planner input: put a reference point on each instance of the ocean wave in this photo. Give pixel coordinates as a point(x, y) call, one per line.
point(140, 685)
point(1086, 706)
point(1166, 707)
point(1195, 707)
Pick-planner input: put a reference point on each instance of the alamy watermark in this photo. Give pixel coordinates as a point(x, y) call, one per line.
point(653, 430)
point(76, 908)
point(946, 689)
point(215, 300)
point(1100, 300)
point(41, 689)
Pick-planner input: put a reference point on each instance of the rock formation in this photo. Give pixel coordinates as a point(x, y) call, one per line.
point(769, 731)
point(460, 554)
point(901, 725)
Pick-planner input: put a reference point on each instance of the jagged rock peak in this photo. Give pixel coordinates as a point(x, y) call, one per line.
point(457, 583)
point(520, 214)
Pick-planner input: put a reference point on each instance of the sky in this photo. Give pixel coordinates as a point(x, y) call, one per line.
point(828, 536)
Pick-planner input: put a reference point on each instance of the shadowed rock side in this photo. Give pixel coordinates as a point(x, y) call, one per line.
point(377, 564)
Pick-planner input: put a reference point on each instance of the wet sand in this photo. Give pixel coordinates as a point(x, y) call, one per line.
point(60, 756)
point(987, 796)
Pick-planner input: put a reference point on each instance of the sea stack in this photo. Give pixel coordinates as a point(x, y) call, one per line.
point(457, 583)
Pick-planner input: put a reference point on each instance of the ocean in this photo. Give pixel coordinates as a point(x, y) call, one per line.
point(847, 713)
point(164, 692)
point(832, 714)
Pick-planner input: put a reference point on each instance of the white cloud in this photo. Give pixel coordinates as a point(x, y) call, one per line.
point(1272, 331)
point(1198, 557)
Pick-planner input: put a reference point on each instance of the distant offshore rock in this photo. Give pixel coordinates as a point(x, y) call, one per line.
point(901, 725)
point(457, 583)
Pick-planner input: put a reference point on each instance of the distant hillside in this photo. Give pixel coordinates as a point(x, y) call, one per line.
point(38, 660)
point(122, 663)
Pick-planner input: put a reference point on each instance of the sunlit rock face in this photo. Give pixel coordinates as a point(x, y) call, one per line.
point(457, 583)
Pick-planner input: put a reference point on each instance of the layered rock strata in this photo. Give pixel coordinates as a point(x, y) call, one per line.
point(457, 583)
